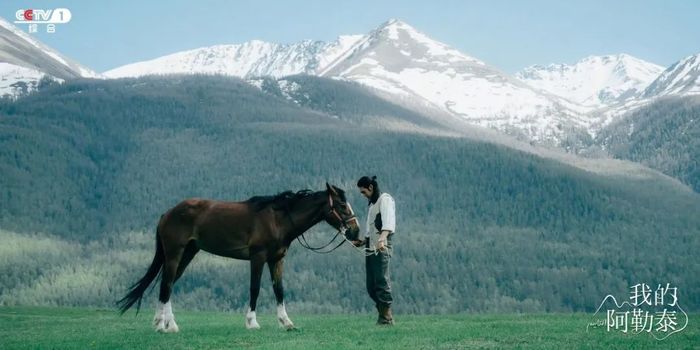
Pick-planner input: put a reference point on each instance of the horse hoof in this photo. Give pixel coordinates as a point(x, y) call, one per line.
point(172, 328)
point(251, 321)
point(288, 327)
point(285, 323)
point(169, 330)
point(167, 327)
point(252, 324)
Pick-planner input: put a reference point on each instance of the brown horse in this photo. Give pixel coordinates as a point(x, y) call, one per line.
point(259, 229)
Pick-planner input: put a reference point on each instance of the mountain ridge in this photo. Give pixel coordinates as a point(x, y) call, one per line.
point(404, 65)
point(594, 81)
point(401, 63)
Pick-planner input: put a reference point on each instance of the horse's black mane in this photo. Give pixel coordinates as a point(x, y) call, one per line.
point(282, 200)
point(285, 200)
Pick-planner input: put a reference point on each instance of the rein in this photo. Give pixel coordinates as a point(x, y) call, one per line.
point(341, 232)
point(306, 245)
point(365, 251)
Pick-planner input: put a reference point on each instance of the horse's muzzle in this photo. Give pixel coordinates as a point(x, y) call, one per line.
point(352, 233)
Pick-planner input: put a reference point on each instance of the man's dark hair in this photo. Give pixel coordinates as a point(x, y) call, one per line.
point(364, 182)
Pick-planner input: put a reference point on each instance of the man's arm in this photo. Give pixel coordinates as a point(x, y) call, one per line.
point(388, 210)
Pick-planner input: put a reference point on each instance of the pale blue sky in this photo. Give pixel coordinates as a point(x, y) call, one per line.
point(509, 35)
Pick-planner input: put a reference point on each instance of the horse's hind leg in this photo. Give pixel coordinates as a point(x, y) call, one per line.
point(164, 320)
point(257, 262)
point(190, 251)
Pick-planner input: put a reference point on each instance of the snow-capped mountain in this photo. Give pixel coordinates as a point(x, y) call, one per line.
point(594, 81)
point(21, 49)
point(24, 61)
point(682, 78)
point(251, 59)
point(545, 104)
point(396, 59)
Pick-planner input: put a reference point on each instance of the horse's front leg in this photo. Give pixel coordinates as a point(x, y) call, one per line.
point(276, 269)
point(257, 261)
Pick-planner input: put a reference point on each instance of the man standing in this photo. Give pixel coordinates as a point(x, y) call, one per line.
point(381, 219)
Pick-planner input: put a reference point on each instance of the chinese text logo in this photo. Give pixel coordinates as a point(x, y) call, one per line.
point(656, 312)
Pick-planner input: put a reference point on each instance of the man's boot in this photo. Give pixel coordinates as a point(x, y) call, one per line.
point(385, 316)
point(388, 315)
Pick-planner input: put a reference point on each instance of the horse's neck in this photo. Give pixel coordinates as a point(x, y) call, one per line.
point(305, 216)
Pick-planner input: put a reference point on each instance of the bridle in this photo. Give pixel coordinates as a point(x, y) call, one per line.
point(341, 231)
point(343, 223)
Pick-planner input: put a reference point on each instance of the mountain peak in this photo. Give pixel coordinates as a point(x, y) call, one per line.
point(693, 60)
point(394, 22)
point(682, 78)
point(607, 58)
point(393, 27)
point(594, 81)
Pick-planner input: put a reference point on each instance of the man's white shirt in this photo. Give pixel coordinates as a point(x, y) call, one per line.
point(384, 205)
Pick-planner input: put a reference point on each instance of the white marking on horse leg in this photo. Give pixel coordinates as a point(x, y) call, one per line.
point(158, 317)
point(282, 317)
point(167, 324)
point(251, 321)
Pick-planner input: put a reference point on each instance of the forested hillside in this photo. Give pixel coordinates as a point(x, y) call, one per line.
point(88, 167)
point(664, 135)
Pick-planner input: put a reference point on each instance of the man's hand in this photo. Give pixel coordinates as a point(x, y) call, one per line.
point(358, 243)
point(381, 244)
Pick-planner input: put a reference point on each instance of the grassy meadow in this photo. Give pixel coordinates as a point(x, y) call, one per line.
point(82, 328)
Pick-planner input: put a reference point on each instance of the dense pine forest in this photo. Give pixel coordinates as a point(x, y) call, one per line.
point(664, 135)
point(89, 166)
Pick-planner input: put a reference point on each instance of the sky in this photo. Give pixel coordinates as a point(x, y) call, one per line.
point(509, 35)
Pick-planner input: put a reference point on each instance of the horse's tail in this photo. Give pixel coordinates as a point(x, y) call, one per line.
point(136, 291)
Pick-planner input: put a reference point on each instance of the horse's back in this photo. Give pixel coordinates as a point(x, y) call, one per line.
point(220, 227)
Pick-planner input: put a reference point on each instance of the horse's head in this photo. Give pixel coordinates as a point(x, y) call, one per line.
point(340, 214)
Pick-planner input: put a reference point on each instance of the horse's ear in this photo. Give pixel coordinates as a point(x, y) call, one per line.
point(330, 189)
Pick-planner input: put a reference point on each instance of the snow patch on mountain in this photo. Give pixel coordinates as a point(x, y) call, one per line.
point(16, 81)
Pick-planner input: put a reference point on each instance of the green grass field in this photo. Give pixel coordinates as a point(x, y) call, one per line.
point(73, 328)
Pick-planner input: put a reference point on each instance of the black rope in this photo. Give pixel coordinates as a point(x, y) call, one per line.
point(306, 245)
point(319, 248)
